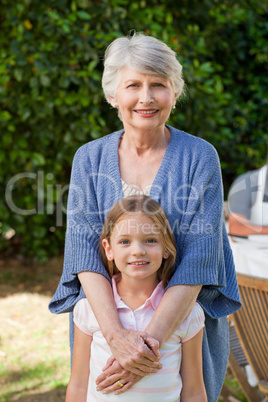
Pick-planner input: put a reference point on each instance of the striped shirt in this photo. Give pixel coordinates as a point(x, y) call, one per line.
point(163, 386)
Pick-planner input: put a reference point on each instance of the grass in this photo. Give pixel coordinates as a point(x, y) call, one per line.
point(27, 381)
point(34, 350)
point(34, 345)
point(234, 387)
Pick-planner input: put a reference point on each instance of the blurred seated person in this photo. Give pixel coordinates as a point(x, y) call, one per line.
point(248, 204)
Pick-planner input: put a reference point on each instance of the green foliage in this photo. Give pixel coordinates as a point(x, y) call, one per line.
point(52, 102)
point(51, 98)
point(224, 51)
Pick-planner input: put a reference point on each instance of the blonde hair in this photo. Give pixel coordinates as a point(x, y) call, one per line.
point(141, 204)
point(144, 54)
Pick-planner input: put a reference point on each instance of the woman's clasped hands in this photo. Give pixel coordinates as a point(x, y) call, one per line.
point(135, 355)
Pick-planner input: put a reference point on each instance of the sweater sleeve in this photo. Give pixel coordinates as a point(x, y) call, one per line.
point(204, 254)
point(84, 225)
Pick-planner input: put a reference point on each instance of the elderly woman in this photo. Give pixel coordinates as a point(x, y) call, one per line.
point(143, 79)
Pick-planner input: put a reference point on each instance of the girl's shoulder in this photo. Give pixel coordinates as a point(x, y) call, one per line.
point(84, 317)
point(192, 324)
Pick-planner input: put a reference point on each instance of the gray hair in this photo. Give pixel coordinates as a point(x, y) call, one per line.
point(143, 54)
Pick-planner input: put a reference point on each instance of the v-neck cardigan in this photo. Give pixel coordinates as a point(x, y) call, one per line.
point(188, 185)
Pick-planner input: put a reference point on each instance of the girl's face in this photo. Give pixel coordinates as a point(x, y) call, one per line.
point(136, 247)
point(144, 100)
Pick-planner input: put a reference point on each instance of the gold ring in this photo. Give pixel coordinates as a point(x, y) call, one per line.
point(120, 383)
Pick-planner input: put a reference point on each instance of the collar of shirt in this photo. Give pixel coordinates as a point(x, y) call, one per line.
point(154, 299)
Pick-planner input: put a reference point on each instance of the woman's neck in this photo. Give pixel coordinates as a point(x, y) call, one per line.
point(144, 154)
point(142, 141)
point(134, 292)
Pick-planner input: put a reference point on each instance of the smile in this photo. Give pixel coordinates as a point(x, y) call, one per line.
point(139, 263)
point(146, 111)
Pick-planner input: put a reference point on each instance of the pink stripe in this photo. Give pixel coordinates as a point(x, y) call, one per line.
point(97, 362)
point(195, 320)
point(92, 397)
point(167, 371)
point(190, 322)
point(83, 329)
point(153, 390)
point(104, 347)
point(187, 338)
point(168, 353)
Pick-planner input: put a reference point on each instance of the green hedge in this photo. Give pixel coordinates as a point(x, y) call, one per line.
point(51, 98)
point(225, 52)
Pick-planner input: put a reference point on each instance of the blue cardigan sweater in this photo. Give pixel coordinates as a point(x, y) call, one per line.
point(188, 185)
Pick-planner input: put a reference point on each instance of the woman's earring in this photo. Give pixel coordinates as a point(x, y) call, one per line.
point(174, 107)
point(113, 102)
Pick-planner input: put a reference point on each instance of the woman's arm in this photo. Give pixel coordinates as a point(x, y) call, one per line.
point(77, 387)
point(177, 302)
point(193, 388)
point(135, 351)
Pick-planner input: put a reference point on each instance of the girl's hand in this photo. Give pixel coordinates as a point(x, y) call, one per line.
point(114, 376)
point(136, 352)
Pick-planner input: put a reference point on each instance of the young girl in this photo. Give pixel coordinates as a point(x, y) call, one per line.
point(138, 249)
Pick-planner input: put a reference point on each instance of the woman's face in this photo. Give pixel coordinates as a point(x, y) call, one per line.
point(144, 100)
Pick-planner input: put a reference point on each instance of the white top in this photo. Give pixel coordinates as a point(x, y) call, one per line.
point(131, 190)
point(163, 386)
